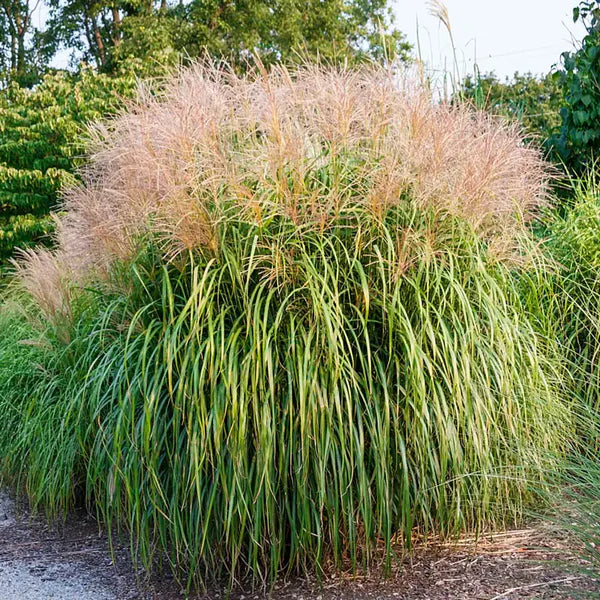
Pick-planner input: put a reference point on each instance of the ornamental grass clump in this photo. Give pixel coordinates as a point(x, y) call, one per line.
point(285, 328)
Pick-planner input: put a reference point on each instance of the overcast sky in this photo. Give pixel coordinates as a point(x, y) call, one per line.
point(504, 35)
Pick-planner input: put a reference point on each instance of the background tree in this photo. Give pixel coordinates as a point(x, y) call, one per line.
point(94, 29)
point(278, 29)
point(17, 14)
point(5, 48)
point(110, 32)
point(24, 50)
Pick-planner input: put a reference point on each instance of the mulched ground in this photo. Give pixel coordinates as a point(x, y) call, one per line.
point(517, 565)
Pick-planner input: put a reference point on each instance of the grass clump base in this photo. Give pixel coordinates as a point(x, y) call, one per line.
point(285, 327)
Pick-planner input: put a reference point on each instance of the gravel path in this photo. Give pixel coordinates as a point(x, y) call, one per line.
point(38, 579)
point(40, 562)
point(72, 562)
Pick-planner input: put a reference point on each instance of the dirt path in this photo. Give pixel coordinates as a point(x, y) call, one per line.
point(39, 562)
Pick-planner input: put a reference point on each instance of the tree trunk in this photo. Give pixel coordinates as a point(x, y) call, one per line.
point(19, 19)
point(21, 27)
point(116, 26)
point(90, 40)
point(99, 43)
point(13, 52)
point(21, 54)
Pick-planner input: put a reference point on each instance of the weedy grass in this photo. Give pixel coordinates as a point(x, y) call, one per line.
point(573, 238)
point(285, 328)
point(566, 301)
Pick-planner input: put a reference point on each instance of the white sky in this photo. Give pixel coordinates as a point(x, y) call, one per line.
point(504, 35)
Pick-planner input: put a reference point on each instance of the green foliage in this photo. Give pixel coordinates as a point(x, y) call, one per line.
point(573, 239)
point(566, 301)
point(23, 355)
point(289, 388)
point(579, 139)
point(534, 102)
point(121, 33)
point(41, 145)
point(335, 30)
point(24, 50)
point(148, 45)
point(112, 34)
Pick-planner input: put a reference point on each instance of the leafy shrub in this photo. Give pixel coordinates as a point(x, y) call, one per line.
point(41, 145)
point(579, 137)
point(286, 327)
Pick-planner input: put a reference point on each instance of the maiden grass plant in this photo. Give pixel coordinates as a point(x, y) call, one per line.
point(286, 327)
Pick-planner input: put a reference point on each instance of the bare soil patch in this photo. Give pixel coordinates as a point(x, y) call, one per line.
point(72, 561)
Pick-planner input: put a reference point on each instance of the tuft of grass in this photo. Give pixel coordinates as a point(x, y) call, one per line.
point(286, 329)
